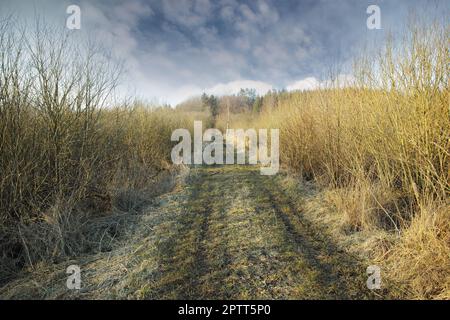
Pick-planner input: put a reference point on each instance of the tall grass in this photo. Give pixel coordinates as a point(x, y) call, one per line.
point(382, 144)
point(65, 151)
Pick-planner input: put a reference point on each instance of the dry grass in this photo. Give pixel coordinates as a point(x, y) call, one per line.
point(71, 167)
point(67, 157)
point(420, 262)
point(382, 147)
point(225, 232)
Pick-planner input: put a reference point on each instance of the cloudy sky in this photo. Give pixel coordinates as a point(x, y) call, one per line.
point(173, 49)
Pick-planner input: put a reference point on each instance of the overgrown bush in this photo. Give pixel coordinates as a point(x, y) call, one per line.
point(65, 150)
point(382, 142)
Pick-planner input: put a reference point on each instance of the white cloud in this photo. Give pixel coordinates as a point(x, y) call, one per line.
point(234, 87)
point(185, 61)
point(312, 83)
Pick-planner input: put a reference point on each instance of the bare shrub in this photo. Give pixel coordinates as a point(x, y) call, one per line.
point(382, 145)
point(64, 150)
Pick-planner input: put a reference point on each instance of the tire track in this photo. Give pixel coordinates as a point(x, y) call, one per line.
point(239, 237)
point(211, 210)
point(340, 274)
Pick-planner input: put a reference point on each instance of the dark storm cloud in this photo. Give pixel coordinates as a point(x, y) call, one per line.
point(175, 48)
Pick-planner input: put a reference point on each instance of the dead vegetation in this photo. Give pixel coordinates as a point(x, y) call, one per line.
point(75, 173)
point(71, 161)
point(380, 146)
point(223, 233)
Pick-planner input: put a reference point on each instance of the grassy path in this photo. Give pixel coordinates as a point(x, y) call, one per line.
point(241, 237)
point(229, 233)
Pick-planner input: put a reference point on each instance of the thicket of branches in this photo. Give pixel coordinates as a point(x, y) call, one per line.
point(382, 145)
point(65, 151)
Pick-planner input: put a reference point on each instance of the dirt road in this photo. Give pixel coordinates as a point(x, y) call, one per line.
point(228, 233)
